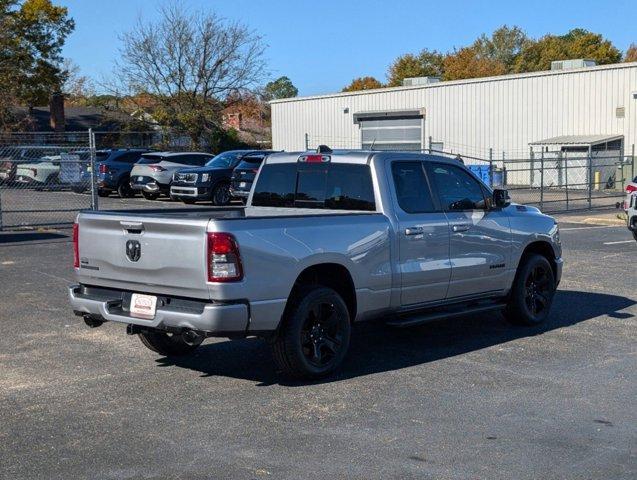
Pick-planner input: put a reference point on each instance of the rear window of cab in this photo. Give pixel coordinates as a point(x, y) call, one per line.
point(334, 186)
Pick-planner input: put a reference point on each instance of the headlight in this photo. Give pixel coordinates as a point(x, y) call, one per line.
point(205, 177)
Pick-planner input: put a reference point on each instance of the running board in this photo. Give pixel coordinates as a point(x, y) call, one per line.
point(425, 317)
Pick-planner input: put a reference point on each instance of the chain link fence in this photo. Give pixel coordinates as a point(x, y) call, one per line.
point(45, 178)
point(553, 181)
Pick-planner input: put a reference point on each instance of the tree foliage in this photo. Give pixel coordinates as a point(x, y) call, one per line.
point(282, 87)
point(503, 46)
point(631, 53)
point(578, 43)
point(32, 34)
point(469, 62)
point(428, 63)
point(189, 63)
point(363, 83)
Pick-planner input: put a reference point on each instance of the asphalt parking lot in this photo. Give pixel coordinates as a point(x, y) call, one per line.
point(462, 399)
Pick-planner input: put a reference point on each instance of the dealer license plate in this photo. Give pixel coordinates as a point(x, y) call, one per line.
point(143, 306)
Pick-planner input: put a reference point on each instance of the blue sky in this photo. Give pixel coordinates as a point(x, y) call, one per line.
point(321, 45)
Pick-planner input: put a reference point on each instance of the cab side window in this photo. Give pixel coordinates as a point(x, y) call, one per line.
point(457, 189)
point(412, 189)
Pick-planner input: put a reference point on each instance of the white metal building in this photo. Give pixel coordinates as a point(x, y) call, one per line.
point(507, 115)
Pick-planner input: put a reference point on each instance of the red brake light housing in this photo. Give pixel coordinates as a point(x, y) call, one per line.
point(76, 245)
point(314, 158)
point(631, 188)
point(103, 168)
point(223, 258)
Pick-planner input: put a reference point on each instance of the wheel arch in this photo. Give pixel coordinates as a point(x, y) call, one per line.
point(332, 275)
point(543, 248)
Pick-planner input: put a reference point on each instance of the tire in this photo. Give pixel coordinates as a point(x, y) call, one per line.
point(532, 292)
point(103, 193)
point(169, 345)
point(315, 334)
point(150, 195)
point(124, 189)
point(220, 194)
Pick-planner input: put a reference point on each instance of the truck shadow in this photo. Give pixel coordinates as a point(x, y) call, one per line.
point(376, 347)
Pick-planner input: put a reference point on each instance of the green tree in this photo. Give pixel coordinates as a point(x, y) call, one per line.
point(37, 30)
point(363, 83)
point(503, 46)
point(578, 43)
point(428, 63)
point(282, 87)
point(631, 53)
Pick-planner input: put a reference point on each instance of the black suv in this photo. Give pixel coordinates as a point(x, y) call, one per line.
point(210, 182)
point(244, 173)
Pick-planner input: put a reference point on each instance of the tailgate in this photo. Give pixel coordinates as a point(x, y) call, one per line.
point(142, 253)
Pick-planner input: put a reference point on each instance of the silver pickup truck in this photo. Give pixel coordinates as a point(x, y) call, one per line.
point(326, 239)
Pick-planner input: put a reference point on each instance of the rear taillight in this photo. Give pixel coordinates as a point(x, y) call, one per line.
point(76, 245)
point(157, 168)
point(224, 261)
point(103, 168)
point(631, 188)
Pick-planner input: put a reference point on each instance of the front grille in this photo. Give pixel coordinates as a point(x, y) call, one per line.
point(186, 177)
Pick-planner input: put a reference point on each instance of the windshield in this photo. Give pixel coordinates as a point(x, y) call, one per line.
point(148, 159)
point(224, 160)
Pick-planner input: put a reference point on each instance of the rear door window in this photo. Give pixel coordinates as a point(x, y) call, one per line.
point(322, 185)
point(412, 189)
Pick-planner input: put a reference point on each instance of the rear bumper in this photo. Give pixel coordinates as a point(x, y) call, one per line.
point(212, 318)
point(148, 185)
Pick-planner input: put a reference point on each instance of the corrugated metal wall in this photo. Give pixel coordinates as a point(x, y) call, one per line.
point(471, 116)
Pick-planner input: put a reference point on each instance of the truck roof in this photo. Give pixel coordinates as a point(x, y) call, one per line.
point(357, 156)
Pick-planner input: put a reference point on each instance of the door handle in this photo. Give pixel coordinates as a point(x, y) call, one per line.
point(413, 231)
point(463, 227)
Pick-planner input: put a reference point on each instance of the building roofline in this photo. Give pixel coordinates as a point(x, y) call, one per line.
point(448, 83)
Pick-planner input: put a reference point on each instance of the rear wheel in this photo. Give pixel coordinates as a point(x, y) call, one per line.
point(221, 194)
point(532, 292)
point(168, 344)
point(124, 189)
point(315, 334)
point(150, 195)
point(103, 193)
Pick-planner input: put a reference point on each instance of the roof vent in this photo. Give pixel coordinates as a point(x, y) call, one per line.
point(413, 81)
point(572, 64)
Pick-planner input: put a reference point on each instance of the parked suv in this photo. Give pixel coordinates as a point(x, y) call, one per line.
point(244, 173)
point(113, 170)
point(153, 173)
point(210, 182)
point(11, 157)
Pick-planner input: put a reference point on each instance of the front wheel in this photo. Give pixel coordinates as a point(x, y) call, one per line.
point(150, 195)
point(168, 344)
point(315, 334)
point(221, 195)
point(532, 292)
point(124, 189)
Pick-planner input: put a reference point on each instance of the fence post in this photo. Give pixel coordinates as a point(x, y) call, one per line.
point(590, 179)
point(633, 162)
point(91, 146)
point(564, 158)
point(307, 141)
point(0, 208)
point(542, 180)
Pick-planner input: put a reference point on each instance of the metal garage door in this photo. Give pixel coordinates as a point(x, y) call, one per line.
point(391, 133)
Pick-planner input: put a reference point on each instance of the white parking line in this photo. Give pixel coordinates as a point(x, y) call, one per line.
point(591, 226)
point(617, 243)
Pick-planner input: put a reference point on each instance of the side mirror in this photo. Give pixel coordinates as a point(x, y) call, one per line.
point(501, 198)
